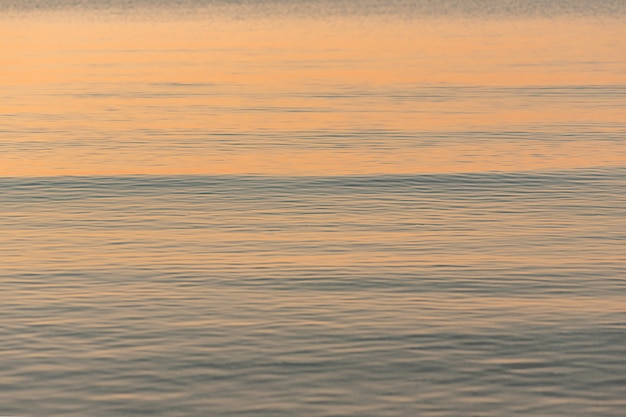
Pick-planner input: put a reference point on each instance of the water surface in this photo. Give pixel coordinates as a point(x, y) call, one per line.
point(312, 208)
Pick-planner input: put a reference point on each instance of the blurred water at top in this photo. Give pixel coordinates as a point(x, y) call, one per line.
point(347, 7)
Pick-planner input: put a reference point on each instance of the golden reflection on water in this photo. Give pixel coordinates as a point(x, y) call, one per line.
point(96, 87)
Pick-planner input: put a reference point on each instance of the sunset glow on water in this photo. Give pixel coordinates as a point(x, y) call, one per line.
point(315, 208)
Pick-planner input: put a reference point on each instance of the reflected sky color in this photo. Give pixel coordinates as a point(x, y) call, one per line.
point(88, 95)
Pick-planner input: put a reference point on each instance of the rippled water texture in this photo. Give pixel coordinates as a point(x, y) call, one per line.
point(315, 208)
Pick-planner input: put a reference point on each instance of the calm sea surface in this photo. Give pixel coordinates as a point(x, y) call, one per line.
point(313, 208)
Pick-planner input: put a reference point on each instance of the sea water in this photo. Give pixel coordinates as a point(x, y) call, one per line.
point(314, 208)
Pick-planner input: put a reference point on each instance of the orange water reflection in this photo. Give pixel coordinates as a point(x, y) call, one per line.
point(84, 93)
